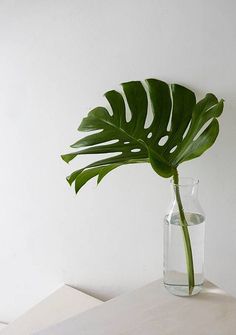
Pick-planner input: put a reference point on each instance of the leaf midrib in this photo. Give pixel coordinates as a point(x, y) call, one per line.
point(123, 131)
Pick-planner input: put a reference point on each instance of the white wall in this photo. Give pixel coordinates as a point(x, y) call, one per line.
point(57, 58)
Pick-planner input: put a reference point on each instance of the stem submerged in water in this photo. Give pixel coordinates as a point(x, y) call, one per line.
point(186, 237)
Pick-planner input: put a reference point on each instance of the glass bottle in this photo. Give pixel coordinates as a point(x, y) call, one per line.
point(184, 230)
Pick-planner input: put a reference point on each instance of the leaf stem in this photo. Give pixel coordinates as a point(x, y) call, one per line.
point(186, 236)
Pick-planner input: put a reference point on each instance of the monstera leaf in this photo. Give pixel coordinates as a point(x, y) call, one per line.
point(189, 129)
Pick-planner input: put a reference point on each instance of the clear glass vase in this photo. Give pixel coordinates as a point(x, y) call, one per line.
point(184, 230)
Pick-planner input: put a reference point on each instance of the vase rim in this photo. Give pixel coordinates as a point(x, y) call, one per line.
point(186, 182)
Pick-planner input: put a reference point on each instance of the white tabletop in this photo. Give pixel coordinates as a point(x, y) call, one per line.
point(151, 310)
point(62, 304)
point(2, 326)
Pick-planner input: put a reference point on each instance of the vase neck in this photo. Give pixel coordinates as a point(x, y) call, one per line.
point(188, 187)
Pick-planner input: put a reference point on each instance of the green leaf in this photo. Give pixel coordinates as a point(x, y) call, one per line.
point(84, 177)
point(189, 127)
point(105, 170)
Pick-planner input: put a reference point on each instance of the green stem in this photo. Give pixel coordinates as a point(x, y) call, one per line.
point(186, 237)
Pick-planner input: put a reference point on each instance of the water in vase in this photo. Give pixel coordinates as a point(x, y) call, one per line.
point(175, 268)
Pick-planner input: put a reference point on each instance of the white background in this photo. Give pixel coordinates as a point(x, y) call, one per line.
point(57, 58)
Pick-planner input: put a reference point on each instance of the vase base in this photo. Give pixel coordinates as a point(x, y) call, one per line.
point(182, 290)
